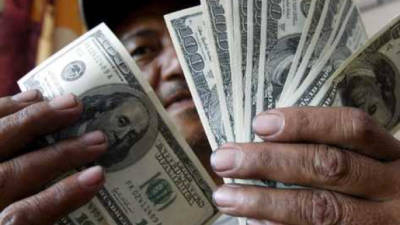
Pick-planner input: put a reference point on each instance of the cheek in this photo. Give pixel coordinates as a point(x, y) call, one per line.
point(151, 74)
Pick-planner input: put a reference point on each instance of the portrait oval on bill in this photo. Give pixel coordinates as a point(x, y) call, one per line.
point(128, 119)
point(372, 84)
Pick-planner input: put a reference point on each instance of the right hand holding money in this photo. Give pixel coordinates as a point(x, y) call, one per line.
point(25, 171)
point(353, 177)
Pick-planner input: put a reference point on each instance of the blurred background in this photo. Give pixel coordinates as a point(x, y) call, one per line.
point(377, 13)
point(32, 30)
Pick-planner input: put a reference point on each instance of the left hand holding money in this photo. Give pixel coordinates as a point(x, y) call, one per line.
point(349, 161)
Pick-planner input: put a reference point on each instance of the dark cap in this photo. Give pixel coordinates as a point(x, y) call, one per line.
point(113, 12)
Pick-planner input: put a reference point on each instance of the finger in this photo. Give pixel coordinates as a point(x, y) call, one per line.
point(299, 207)
point(19, 129)
point(9, 105)
point(57, 201)
point(345, 127)
point(318, 166)
point(31, 171)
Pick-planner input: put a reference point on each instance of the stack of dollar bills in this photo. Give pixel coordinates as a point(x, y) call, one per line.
point(243, 57)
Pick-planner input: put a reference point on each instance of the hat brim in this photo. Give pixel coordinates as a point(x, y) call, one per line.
point(95, 12)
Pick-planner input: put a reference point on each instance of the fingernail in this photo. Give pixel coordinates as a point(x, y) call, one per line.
point(225, 159)
point(27, 96)
point(94, 138)
point(268, 124)
point(226, 196)
point(91, 177)
point(64, 102)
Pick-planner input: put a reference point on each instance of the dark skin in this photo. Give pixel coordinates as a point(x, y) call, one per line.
point(351, 164)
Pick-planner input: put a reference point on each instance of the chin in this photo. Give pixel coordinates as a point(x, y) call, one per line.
point(189, 125)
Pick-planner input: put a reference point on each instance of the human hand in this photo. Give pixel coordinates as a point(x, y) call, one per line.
point(350, 162)
point(24, 118)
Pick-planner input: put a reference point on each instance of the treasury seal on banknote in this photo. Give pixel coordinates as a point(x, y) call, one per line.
point(126, 116)
point(73, 71)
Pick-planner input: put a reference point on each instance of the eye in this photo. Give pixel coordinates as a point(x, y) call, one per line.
point(123, 121)
point(141, 52)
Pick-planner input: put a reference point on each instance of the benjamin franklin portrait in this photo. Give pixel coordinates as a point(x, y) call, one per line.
point(372, 85)
point(125, 118)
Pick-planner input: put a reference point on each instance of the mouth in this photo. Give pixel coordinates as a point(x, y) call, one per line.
point(179, 100)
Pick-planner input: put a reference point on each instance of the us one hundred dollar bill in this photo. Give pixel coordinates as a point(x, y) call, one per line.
point(369, 80)
point(313, 15)
point(329, 21)
point(187, 31)
point(253, 55)
point(239, 10)
point(349, 39)
point(283, 23)
point(151, 172)
point(216, 27)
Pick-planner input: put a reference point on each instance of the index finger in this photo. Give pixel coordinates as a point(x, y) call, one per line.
point(21, 128)
point(344, 127)
point(48, 206)
point(9, 105)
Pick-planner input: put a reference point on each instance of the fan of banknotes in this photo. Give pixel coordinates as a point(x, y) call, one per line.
point(242, 57)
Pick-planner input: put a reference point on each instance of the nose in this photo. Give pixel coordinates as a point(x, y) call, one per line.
point(170, 67)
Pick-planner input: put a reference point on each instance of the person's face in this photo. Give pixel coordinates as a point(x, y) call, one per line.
point(366, 95)
point(146, 37)
point(117, 123)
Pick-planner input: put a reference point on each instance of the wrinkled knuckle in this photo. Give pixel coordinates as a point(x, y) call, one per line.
point(330, 164)
point(29, 115)
point(324, 209)
point(14, 216)
point(59, 192)
point(362, 124)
